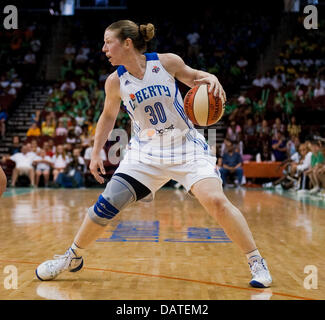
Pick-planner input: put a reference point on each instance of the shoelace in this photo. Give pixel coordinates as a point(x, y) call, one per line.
point(257, 266)
point(64, 256)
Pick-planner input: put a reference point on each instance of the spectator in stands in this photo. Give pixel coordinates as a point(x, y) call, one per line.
point(33, 130)
point(15, 145)
point(47, 149)
point(293, 128)
point(303, 165)
point(23, 166)
point(242, 63)
point(30, 58)
point(61, 130)
point(258, 82)
point(319, 91)
point(43, 165)
point(88, 151)
point(48, 127)
point(68, 87)
point(278, 126)
point(3, 119)
point(69, 51)
point(231, 163)
point(317, 160)
point(73, 175)
point(279, 146)
point(60, 161)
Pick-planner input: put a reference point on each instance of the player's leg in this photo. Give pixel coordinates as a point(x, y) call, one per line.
point(14, 177)
point(121, 191)
point(31, 175)
point(37, 177)
point(46, 175)
point(3, 181)
point(210, 194)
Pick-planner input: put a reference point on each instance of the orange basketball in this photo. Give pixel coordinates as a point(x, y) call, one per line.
point(202, 107)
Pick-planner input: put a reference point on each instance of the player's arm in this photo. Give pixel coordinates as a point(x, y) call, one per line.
point(105, 124)
point(189, 76)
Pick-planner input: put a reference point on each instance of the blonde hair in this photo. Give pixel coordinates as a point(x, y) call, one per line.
point(139, 34)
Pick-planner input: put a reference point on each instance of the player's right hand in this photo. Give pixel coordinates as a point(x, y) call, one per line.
point(97, 163)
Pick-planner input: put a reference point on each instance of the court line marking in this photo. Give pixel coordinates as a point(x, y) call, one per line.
point(174, 278)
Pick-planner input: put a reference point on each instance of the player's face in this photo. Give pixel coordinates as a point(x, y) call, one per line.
point(113, 48)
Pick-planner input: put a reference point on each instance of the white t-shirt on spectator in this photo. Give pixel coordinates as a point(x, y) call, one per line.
point(242, 63)
point(70, 50)
point(306, 163)
point(258, 82)
point(42, 165)
point(193, 38)
point(88, 151)
point(22, 160)
point(60, 162)
point(69, 85)
point(319, 92)
point(30, 58)
point(5, 83)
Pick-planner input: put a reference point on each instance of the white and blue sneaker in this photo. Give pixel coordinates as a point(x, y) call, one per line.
point(261, 277)
point(50, 269)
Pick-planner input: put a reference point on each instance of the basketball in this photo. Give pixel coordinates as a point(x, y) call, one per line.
point(202, 107)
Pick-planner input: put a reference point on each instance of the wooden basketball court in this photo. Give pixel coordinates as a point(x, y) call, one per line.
point(167, 249)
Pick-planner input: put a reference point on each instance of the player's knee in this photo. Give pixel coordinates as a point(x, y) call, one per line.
point(116, 196)
point(102, 211)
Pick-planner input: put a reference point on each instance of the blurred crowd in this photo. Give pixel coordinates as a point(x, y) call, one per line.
point(261, 121)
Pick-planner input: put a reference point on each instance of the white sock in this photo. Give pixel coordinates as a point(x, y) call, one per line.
point(76, 249)
point(253, 253)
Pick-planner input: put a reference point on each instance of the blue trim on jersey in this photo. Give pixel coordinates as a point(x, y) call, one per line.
point(151, 56)
point(197, 141)
point(121, 70)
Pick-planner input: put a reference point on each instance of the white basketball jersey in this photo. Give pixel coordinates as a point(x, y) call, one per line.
point(156, 107)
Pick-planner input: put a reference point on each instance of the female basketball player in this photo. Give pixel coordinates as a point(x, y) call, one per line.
point(165, 146)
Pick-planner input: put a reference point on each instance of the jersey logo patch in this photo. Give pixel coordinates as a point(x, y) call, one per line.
point(132, 96)
point(155, 69)
point(127, 82)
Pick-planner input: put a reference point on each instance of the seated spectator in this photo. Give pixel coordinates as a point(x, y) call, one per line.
point(33, 130)
point(48, 127)
point(3, 119)
point(317, 160)
point(68, 87)
point(4, 83)
point(60, 161)
point(43, 165)
point(33, 147)
point(264, 153)
point(89, 150)
point(279, 146)
point(23, 166)
point(303, 165)
point(242, 63)
point(73, 175)
point(15, 145)
point(258, 82)
point(278, 126)
point(16, 83)
point(30, 58)
point(293, 128)
point(319, 91)
point(61, 130)
point(231, 162)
